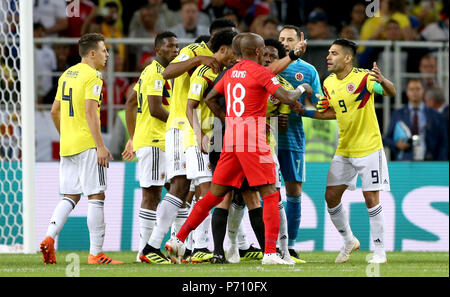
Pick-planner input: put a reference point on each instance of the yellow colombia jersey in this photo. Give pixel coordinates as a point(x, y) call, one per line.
point(274, 108)
point(177, 115)
point(150, 131)
point(201, 83)
point(353, 101)
point(77, 84)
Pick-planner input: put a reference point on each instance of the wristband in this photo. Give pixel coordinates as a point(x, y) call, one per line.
point(309, 113)
point(301, 88)
point(293, 56)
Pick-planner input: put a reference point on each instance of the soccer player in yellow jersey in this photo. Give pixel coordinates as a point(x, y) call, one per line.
point(147, 113)
point(200, 117)
point(180, 70)
point(84, 156)
point(349, 98)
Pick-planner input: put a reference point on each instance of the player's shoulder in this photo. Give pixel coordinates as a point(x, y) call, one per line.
point(284, 82)
point(361, 71)
point(330, 78)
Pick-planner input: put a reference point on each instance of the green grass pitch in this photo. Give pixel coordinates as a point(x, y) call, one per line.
point(320, 264)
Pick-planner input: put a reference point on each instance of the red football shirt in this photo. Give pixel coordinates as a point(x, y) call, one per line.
point(246, 87)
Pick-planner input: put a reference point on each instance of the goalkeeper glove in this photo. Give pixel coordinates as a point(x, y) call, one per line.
point(322, 104)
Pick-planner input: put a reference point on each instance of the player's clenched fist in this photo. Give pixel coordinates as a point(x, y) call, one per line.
point(322, 104)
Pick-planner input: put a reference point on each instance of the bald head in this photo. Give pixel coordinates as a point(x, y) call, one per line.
point(235, 46)
point(252, 46)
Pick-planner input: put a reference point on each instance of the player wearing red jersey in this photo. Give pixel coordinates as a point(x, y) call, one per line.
point(246, 153)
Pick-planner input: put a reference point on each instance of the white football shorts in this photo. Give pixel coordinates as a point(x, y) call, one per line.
point(198, 167)
point(372, 169)
point(81, 174)
point(151, 166)
point(175, 156)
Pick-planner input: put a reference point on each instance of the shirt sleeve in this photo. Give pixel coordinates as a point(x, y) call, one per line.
point(154, 84)
point(197, 88)
point(267, 79)
point(93, 89)
point(185, 54)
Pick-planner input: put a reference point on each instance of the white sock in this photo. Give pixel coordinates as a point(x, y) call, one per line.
point(165, 214)
point(340, 220)
point(201, 233)
point(241, 238)
point(179, 220)
point(96, 226)
point(283, 233)
point(235, 215)
point(376, 220)
point(59, 217)
point(147, 220)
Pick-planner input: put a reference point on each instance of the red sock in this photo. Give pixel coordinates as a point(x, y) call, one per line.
point(198, 214)
point(271, 218)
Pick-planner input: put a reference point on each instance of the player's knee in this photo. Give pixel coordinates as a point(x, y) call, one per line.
point(332, 198)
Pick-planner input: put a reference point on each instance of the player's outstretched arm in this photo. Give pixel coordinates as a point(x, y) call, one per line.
point(176, 69)
point(130, 118)
point(388, 86)
point(130, 112)
point(290, 97)
point(156, 109)
point(56, 114)
point(211, 101)
point(280, 65)
point(103, 154)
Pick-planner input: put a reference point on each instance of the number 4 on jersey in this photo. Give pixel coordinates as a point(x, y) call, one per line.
point(68, 98)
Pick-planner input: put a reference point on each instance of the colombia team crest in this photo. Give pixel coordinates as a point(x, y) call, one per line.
point(299, 76)
point(351, 88)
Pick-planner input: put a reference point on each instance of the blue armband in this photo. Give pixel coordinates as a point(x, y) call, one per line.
point(309, 113)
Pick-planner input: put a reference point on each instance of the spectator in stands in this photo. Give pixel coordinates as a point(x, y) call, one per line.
point(357, 18)
point(215, 9)
point(434, 98)
point(427, 11)
point(145, 29)
point(232, 14)
point(270, 28)
point(121, 86)
point(45, 64)
point(52, 15)
point(374, 27)
point(428, 66)
point(79, 17)
point(317, 28)
point(419, 120)
point(166, 17)
point(109, 18)
point(189, 26)
point(347, 31)
point(439, 30)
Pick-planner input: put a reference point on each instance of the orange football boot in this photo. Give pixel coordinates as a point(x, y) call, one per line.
point(102, 259)
point(48, 250)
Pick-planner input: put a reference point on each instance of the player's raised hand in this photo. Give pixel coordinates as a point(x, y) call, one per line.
point(323, 104)
point(128, 153)
point(376, 73)
point(300, 47)
point(103, 156)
